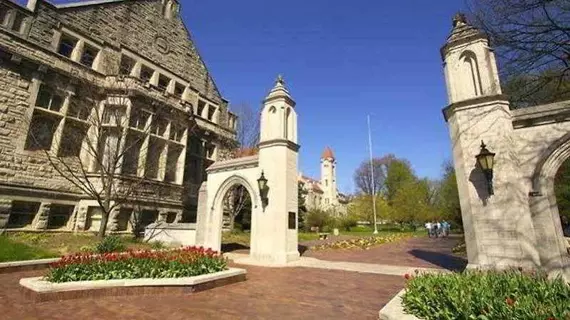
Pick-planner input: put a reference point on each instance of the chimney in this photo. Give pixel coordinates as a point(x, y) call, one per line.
point(32, 5)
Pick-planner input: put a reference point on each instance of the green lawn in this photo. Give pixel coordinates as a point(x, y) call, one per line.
point(21, 246)
point(11, 250)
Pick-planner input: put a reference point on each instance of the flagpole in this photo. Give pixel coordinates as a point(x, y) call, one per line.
point(372, 177)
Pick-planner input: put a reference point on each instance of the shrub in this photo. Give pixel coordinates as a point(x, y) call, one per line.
point(184, 262)
point(110, 244)
point(318, 218)
point(157, 245)
point(487, 295)
point(348, 221)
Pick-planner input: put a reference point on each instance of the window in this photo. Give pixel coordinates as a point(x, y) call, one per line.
point(211, 111)
point(153, 158)
point(172, 164)
point(22, 213)
point(18, 22)
point(108, 150)
point(132, 152)
point(88, 55)
point(146, 74)
point(326, 182)
point(163, 82)
point(210, 149)
point(123, 219)
point(113, 115)
point(126, 66)
point(139, 119)
point(178, 90)
point(3, 14)
point(41, 132)
point(59, 216)
point(66, 45)
point(49, 99)
point(79, 110)
point(176, 132)
point(158, 126)
point(201, 106)
point(74, 134)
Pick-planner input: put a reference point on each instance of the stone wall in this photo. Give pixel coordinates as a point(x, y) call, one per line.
point(19, 167)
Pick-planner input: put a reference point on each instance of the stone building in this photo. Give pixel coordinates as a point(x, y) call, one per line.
point(64, 66)
point(323, 194)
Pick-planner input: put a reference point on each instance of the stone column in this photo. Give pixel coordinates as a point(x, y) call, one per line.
point(42, 217)
point(202, 215)
point(5, 209)
point(81, 219)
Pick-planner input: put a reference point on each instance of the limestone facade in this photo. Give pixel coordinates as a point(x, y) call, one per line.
point(323, 194)
point(62, 66)
point(519, 224)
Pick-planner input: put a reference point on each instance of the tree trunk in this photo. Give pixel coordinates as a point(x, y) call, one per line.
point(105, 214)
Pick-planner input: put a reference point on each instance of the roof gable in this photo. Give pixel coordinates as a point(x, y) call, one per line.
point(140, 26)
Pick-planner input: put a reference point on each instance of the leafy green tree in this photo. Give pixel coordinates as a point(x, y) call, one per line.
point(317, 218)
point(448, 196)
point(398, 174)
point(361, 207)
point(410, 204)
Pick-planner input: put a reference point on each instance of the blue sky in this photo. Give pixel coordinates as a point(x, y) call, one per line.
point(341, 60)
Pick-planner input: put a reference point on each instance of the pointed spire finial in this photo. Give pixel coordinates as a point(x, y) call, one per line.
point(459, 19)
point(280, 79)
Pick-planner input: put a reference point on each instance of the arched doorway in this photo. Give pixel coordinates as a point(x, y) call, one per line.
point(562, 192)
point(551, 244)
point(236, 222)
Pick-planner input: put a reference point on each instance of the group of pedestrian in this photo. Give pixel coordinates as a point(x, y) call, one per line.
point(438, 229)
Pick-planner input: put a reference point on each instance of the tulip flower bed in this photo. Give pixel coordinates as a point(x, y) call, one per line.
point(486, 295)
point(363, 243)
point(183, 262)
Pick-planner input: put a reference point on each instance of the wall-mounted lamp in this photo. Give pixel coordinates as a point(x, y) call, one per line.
point(486, 160)
point(262, 184)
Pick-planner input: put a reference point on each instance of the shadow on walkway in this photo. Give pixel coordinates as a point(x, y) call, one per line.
point(232, 247)
point(446, 261)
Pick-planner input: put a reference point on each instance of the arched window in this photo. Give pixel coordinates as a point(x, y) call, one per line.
point(287, 125)
point(471, 67)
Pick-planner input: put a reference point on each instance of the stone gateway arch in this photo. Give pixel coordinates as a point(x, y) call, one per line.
point(274, 209)
point(518, 225)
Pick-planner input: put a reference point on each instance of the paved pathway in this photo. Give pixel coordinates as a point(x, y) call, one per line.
point(288, 293)
point(416, 252)
point(314, 289)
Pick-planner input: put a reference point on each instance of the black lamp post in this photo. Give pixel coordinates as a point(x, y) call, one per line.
point(262, 185)
point(486, 160)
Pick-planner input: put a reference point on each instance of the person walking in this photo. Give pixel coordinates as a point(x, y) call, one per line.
point(428, 228)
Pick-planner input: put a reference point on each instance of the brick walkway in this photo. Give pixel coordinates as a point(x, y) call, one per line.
point(269, 293)
point(289, 293)
point(417, 252)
